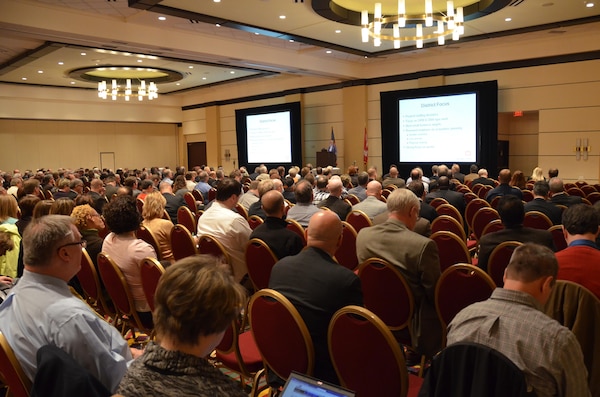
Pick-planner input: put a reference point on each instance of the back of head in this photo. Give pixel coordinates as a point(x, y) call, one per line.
point(62, 206)
point(8, 207)
point(81, 214)
point(335, 186)
point(401, 201)
point(195, 297)
point(511, 210)
point(154, 206)
point(303, 192)
point(444, 182)
point(130, 181)
point(581, 219)
point(321, 182)
point(324, 231)
point(42, 237)
point(530, 262)
point(253, 185)
point(121, 215)
point(556, 185)
point(42, 208)
point(483, 173)
point(146, 183)
point(434, 169)
point(504, 176)
point(30, 185)
point(553, 172)
point(227, 188)
point(443, 170)
point(272, 203)
point(27, 204)
point(264, 186)
point(417, 188)
point(363, 178)
point(541, 188)
point(374, 188)
point(393, 172)
point(473, 169)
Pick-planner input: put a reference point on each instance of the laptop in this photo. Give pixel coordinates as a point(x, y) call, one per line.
point(300, 385)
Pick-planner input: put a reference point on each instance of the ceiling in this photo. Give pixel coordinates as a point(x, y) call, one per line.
point(45, 54)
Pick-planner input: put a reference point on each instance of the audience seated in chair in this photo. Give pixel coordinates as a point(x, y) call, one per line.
point(317, 285)
point(540, 203)
point(47, 312)
point(512, 318)
point(154, 206)
point(173, 202)
point(417, 259)
point(187, 333)
point(334, 200)
point(579, 261)
point(372, 206)
point(303, 210)
point(126, 249)
point(273, 231)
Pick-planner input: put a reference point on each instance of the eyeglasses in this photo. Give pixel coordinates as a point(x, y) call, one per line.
point(83, 244)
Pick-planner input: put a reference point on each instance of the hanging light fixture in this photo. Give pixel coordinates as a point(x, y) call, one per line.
point(448, 24)
point(123, 89)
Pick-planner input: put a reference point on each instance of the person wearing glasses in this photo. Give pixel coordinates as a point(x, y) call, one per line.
point(40, 310)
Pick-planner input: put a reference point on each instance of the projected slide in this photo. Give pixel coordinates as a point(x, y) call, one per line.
point(269, 138)
point(438, 129)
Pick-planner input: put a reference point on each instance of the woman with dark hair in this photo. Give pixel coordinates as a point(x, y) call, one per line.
point(126, 249)
point(518, 180)
point(42, 208)
point(26, 204)
point(62, 206)
point(196, 300)
point(180, 186)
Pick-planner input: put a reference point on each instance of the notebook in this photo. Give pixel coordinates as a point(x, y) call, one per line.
point(299, 385)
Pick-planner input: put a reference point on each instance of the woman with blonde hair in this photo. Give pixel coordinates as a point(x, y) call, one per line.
point(62, 206)
point(8, 219)
point(537, 174)
point(154, 207)
point(89, 223)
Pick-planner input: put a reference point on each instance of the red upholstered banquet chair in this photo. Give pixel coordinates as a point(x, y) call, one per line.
point(358, 220)
point(449, 209)
point(190, 202)
point(499, 259)
point(438, 201)
point(482, 218)
point(254, 221)
point(367, 357)
point(151, 271)
point(143, 233)
point(537, 220)
point(182, 242)
point(451, 248)
point(297, 228)
point(90, 282)
point(558, 237)
point(11, 372)
point(209, 245)
point(346, 252)
point(260, 261)
point(186, 218)
point(472, 207)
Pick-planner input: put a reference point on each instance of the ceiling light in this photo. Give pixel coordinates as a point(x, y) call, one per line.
point(232, 72)
point(291, 40)
point(328, 51)
point(72, 83)
point(203, 78)
point(448, 22)
point(217, 25)
point(589, 5)
point(338, 31)
point(216, 1)
point(162, 18)
point(61, 63)
point(282, 17)
point(508, 19)
point(24, 78)
point(40, 71)
point(117, 90)
point(83, 54)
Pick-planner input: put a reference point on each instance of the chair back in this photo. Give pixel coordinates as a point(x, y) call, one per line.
point(482, 218)
point(470, 196)
point(89, 281)
point(575, 191)
point(353, 199)
point(446, 223)
point(558, 237)
point(209, 245)
point(537, 220)
point(493, 226)
point(255, 221)
point(527, 195)
point(139, 203)
point(212, 194)
point(365, 355)
point(472, 207)
point(190, 202)
point(182, 242)
point(499, 259)
point(495, 201)
point(345, 255)
point(593, 197)
point(198, 195)
point(453, 373)
point(459, 286)
point(588, 189)
point(386, 293)
point(260, 260)
point(578, 309)
point(119, 292)
point(48, 195)
point(166, 215)
point(297, 228)
point(358, 219)
point(281, 334)
point(143, 233)
point(483, 191)
point(151, 271)
point(11, 372)
point(241, 210)
point(438, 201)
point(452, 249)
point(186, 218)
point(449, 209)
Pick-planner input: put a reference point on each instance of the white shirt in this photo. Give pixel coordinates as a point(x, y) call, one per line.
point(231, 230)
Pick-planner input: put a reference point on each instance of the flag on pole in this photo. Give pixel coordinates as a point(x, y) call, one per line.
point(366, 149)
point(332, 146)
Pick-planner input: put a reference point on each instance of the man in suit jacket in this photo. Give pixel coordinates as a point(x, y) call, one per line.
point(456, 199)
point(317, 285)
point(559, 196)
point(456, 174)
point(360, 191)
point(415, 256)
point(504, 188)
point(334, 201)
point(580, 260)
point(540, 203)
point(512, 213)
point(427, 211)
point(483, 178)
point(372, 206)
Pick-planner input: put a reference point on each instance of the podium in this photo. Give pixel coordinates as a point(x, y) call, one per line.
point(325, 158)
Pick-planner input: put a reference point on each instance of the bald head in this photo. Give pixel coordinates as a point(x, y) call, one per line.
point(324, 231)
point(504, 176)
point(272, 203)
point(335, 187)
point(374, 189)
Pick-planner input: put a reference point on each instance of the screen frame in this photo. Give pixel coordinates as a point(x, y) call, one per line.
point(486, 125)
point(241, 130)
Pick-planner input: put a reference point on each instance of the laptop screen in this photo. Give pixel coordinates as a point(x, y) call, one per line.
point(299, 385)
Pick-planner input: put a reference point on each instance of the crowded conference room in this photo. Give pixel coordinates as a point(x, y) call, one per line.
point(299, 197)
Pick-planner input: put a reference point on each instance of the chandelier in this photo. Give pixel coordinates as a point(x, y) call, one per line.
point(449, 24)
point(118, 91)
